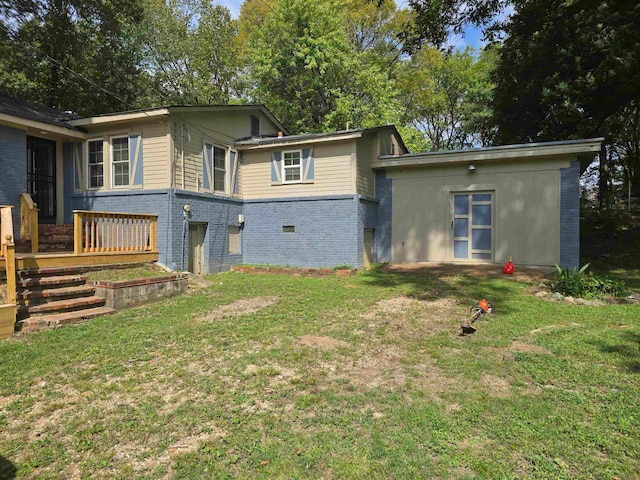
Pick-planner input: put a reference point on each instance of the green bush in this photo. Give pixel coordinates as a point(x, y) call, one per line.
point(577, 283)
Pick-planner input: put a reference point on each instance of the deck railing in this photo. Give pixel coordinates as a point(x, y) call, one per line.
point(104, 232)
point(29, 220)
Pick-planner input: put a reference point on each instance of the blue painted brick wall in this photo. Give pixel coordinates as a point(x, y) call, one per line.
point(13, 169)
point(384, 195)
point(326, 233)
point(216, 212)
point(570, 216)
point(67, 173)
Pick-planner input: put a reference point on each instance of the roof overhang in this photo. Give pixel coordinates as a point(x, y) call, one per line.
point(43, 128)
point(584, 150)
point(118, 117)
point(296, 140)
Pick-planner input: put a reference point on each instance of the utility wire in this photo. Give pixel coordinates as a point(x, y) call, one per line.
point(108, 92)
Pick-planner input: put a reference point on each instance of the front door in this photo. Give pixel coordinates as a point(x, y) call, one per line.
point(369, 235)
point(41, 176)
point(196, 248)
point(472, 226)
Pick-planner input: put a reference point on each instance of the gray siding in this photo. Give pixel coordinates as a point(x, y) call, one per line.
point(13, 165)
point(326, 233)
point(570, 216)
point(384, 195)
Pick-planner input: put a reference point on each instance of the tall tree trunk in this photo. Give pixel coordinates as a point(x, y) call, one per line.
point(603, 186)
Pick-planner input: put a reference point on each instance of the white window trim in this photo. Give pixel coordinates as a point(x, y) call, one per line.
point(111, 162)
point(213, 168)
point(86, 164)
point(284, 176)
point(491, 227)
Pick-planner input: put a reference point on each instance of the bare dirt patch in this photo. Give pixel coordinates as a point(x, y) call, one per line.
point(410, 317)
point(521, 274)
point(499, 387)
point(552, 327)
point(244, 306)
point(522, 347)
point(323, 343)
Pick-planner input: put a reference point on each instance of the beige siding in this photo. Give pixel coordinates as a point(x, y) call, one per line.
point(365, 176)
point(333, 173)
point(526, 212)
point(155, 154)
point(220, 129)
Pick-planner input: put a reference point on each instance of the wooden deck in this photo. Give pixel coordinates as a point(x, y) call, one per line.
point(69, 259)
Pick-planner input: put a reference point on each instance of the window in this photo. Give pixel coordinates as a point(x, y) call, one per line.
point(255, 126)
point(292, 166)
point(288, 229)
point(96, 164)
point(219, 168)
point(234, 239)
point(120, 161)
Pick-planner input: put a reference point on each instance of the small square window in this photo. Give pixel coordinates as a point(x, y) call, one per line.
point(288, 229)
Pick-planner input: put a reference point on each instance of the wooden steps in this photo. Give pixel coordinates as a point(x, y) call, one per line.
point(51, 297)
point(51, 238)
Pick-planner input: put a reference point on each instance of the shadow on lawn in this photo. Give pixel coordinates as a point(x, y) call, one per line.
point(7, 469)
point(427, 286)
point(628, 349)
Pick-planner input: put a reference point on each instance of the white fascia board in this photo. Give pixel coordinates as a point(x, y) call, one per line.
point(507, 152)
point(294, 143)
point(24, 124)
point(118, 117)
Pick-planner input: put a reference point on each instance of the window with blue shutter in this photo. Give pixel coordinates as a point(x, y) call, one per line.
point(135, 159)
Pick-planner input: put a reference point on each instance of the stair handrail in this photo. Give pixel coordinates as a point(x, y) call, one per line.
point(6, 228)
point(29, 220)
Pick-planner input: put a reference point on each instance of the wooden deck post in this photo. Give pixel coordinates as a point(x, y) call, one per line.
point(10, 265)
point(153, 234)
point(29, 220)
point(77, 232)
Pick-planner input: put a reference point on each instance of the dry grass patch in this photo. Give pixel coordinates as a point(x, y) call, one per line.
point(239, 308)
point(323, 343)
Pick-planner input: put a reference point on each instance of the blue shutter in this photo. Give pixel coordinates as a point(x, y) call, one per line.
point(207, 166)
point(276, 167)
point(135, 159)
point(235, 187)
point(78, 167)
point(307, 164)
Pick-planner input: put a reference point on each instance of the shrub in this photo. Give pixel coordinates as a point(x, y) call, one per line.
point(577, 283)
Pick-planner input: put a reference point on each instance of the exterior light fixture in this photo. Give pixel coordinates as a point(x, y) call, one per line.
point(472, 168)
point(186, 208)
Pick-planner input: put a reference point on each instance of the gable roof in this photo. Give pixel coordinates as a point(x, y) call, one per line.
point(16, 107)
point(165, 110)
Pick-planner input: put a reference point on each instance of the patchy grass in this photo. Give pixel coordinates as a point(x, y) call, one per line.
point(130, 273)
point(338, 377)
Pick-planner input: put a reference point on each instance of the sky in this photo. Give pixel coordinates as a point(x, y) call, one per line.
point(472, 36)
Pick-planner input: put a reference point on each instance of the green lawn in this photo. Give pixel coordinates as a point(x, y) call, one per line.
point(269, 376)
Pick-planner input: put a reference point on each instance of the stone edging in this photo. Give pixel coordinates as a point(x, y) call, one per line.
point(558, 297)
point(137, 282)
point(297, 272)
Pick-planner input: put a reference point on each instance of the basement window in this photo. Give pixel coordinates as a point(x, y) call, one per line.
point(288, 229)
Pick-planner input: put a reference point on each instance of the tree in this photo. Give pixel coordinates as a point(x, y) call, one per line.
point(303, 66)
point(190, 51)
point(71, 51)
point(447, 97)
point(567, 70)
point(434, 20)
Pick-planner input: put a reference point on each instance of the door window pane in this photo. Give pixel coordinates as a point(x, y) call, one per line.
point(481, 239)
point(481, 215)
point(461, 249)
point(461, 204)
point(461, 227)
point(481, 256)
